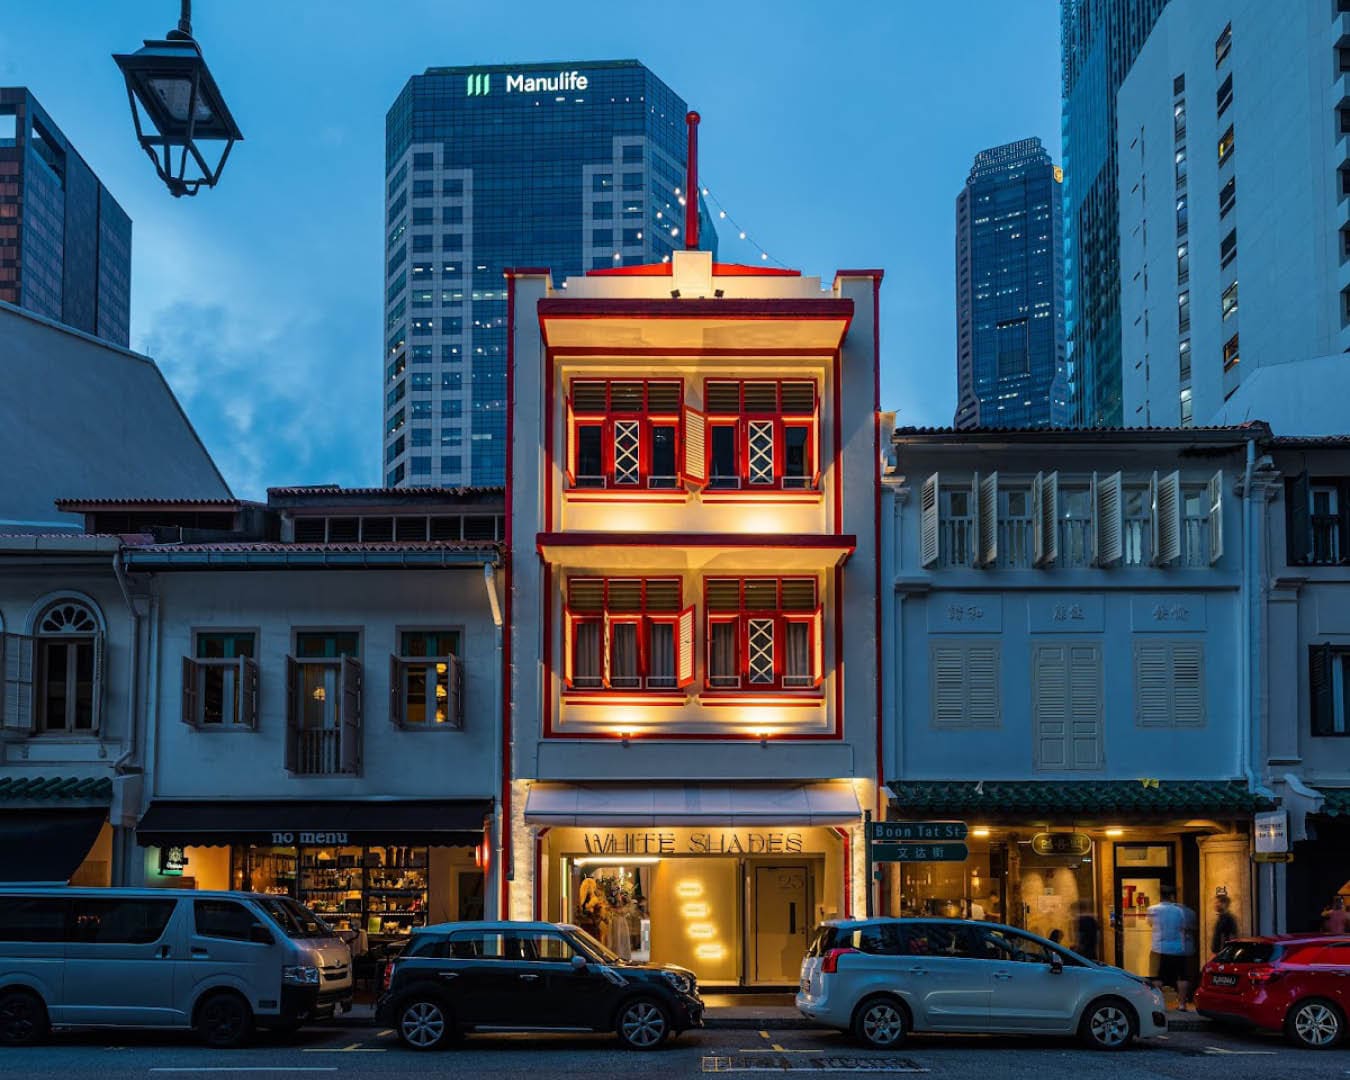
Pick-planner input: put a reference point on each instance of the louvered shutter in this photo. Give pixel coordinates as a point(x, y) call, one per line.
point(1167, 519)
point(982, 686)
point(684, 647)
point(986, 536)
point(604, 652)
point(1050, 706)
point(568, 645)
point(1214, 490)
point(100, 675)
point(948, 681)
point(1320, 659)
point(189, 704)
point(976, 521)
point(1300, 519)
point(292, 713)
point(455, 675)
point(695, 447)
point(349, 718)
point(1188, 684)
point(818, 645)
point(18, 700)
point(396, 691)
point(1107, 525)
point(928, 522)
point(1037, 537)
point(1085, 707)
point(570, 461)
point(1047, 518)
point(1152, 684)
point(248, 692)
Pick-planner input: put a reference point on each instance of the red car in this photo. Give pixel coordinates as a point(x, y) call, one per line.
point(1295, 983)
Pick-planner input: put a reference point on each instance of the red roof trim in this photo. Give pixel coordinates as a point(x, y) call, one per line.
point(719, 270)
point(830, 542)
point(825, 308)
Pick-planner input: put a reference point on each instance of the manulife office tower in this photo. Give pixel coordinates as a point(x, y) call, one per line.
point(572, 166)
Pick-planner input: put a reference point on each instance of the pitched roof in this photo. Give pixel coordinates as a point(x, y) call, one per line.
point(55, 789)
point(79, 506)
point(1080, 799)
point(1256, 428)
point(391, 492)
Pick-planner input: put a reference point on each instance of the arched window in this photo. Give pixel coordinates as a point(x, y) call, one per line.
point(68, 668)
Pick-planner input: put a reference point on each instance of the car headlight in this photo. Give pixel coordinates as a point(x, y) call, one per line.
point(681, 982)
point(300, 975)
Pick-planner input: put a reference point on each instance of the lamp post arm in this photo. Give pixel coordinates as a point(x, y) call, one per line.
point(184, 28)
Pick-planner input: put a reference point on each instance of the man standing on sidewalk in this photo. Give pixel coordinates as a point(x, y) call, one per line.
point(1173, 928)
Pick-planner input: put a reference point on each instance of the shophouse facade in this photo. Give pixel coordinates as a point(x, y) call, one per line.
point(1065, 625)
point(692, 542)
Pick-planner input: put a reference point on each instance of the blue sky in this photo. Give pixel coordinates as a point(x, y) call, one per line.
point(837, 135)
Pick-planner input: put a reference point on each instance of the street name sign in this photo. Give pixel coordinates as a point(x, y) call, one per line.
point(909, 832)
point(948, 852)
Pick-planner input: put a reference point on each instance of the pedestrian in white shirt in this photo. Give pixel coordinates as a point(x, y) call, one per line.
point(1173, 927)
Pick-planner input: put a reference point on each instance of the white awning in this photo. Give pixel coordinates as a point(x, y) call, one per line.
point(831, 803)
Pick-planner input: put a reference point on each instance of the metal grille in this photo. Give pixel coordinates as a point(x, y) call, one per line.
point(626, 458)
point(761, 650)
point(761, 451)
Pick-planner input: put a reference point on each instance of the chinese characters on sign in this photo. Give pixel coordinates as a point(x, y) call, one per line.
point(1171, 613)
point(962, 612)
point(1067, 612)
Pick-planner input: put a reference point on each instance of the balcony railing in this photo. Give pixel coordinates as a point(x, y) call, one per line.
point(1195, 541)
point(1075, 542)
point(956, 537)
point(1015, 544)
point(1326, 538)
point(1016, 549)
point(318, 752)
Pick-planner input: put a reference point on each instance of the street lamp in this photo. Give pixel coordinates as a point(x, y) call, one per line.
point(171, 84)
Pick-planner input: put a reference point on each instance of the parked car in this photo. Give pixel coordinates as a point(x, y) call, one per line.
point(530, 976)
point(220, 962)
point(883, 978)
point(1298, 984)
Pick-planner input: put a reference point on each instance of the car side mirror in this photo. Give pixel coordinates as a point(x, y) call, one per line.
point(1056, 966)
point(260, 935)
point(578, 961)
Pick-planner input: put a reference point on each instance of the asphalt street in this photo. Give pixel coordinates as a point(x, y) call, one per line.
point(360, 1053)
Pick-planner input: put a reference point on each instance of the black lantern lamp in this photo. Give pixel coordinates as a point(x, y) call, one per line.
point(171, 84)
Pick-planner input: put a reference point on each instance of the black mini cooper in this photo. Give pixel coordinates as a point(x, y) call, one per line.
point(530, 976)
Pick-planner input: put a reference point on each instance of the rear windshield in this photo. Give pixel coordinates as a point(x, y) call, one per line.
point(294, 918)
point(1248, 952)
point(822, 941)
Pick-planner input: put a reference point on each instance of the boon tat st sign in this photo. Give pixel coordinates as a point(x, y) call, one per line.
point(918, 841)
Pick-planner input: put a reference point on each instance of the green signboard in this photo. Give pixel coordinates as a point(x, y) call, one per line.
point(917, 832)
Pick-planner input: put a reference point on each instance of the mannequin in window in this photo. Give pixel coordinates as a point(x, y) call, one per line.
point(592, 910)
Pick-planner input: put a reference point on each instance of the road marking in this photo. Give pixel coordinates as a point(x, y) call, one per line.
point(355, 1048)
point(837, 1063)
point(1241, 1053)
point(242, 1069)
point(386, 1031)
point(776, 1049)
point(764, 1035)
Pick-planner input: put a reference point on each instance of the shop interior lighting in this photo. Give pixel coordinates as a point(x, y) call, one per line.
point(1115, 830)
point(618, 860)
point(694, 911)
point(980, 832)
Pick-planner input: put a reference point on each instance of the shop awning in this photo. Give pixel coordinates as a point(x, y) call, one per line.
point(47, 845)
point(692, 804)
point(435, 822)
point(1042, 800)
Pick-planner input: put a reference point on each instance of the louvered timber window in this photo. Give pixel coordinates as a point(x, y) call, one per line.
point(220, 682)
point(763, 434)
point(763, 633)
point(626, 434)
point(1329, 688)
point(964, 683)
point(627, 634)
point(1169, 683)
point(1066, 706)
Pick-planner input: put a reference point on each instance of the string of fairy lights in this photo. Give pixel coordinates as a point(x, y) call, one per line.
point(721, 217)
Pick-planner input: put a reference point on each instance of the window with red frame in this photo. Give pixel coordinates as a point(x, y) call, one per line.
point(627, 634)
point(625, 433)
point(762, 434)
point(763, 633)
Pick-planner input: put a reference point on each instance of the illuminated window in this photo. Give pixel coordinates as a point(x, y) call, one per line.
point(1226, 145)
point(762, 434)
point(1230, 300)
point(627, 634)
point(625, 433)
point(763, 633)
point(1230, 352)
point(427, 680)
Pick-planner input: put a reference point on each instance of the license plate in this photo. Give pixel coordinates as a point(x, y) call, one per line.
point(1223, 980)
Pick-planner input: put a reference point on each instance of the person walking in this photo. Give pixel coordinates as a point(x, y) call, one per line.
point(1336, 920)
point(1085, 931)
point(1173, 938)
point(1225, 926)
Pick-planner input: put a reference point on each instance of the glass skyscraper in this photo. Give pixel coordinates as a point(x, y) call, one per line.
point(65, 243)
point(1099, 41)
point(570, 166)
point(1009, 289)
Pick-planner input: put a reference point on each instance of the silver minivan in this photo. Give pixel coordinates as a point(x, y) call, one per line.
point(220, 962)
point(883, 978)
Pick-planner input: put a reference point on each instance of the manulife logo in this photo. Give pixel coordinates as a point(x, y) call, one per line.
point(479, 84)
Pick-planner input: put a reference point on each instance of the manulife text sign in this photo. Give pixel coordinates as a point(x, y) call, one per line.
point(479, 83)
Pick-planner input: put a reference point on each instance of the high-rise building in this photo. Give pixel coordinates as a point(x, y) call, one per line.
point(65, 243)
point(574, 166)
point(1234, 172)
point(1009, 289)
point(1099, 41)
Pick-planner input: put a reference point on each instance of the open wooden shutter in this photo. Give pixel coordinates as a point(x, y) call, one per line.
point(190, 716)
point(1047, 518)
point(570, 445)
point(349, 715)
point(1300, 519)
point(818, 645)
point(100, 675)
point(1167, 519)
point(568, 645)
point(928, 522)
point(695, 447)
point(684, 647)
point(1152, 684)
point(455, 679)
point(292, 713)
point(986, 534)
point(1214, 491)
point(1320, 686)
point(248, 692)
point(604, 652)
point(18, 700)
point(976, 520)
point(396, 691)
point(1107, 524)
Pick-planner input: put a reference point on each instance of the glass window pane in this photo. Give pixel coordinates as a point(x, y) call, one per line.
point(125, 922)
point(723, 473)
point(586, 640)
point(589, 465)
point(623, 655)
point(661, 662)
point(722, 654)
point(663, 456)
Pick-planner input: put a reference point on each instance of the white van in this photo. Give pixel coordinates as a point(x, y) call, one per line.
point(219, 962)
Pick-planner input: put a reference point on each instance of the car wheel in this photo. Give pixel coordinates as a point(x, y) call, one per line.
point(23, 1019)
point(642, 1025)
point(880, 1022)
point(224, 1021)
point(1107, 1024)
point(424, 1024)
point(1315, 1024)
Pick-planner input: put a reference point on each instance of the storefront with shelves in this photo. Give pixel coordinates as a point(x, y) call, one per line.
point(375, 869)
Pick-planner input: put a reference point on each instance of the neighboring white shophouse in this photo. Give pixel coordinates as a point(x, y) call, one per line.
point(692, 494)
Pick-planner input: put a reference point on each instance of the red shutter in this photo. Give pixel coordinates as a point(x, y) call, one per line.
point(570, 462)
point(568, 638)
point(684, 647)
point(695, 447)
point(190, 716)
point(818, 644)
point(604, 653)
